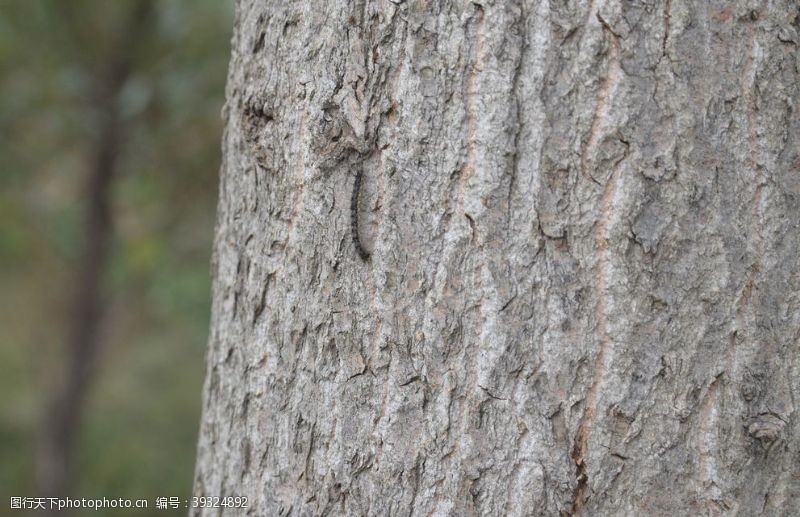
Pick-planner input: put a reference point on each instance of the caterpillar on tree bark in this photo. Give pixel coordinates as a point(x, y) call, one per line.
point(363, 253)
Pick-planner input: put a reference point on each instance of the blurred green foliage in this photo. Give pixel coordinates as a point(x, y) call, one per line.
point(138, 432)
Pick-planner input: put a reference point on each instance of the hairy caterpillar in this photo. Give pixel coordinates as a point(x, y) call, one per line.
point(363, 253)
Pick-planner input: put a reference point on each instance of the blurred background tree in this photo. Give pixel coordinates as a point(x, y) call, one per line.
point(160, 72)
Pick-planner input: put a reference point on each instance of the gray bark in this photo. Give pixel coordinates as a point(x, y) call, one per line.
point(582, 294)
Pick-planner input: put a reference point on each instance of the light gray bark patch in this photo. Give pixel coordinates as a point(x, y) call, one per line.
point(649, 226)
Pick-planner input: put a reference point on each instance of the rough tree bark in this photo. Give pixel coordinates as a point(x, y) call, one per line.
point(583, 289)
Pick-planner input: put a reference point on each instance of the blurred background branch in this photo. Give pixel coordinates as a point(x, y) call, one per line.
point(109, 156)
point(67, 400)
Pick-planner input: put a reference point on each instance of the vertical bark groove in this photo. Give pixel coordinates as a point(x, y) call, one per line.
point(609, 206)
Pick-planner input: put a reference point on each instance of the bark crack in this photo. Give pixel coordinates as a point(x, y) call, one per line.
point(473, 71)
point(519, 121)
point(609, 203)
point(667, 21)
point(603, 104)
point(749, 95)
point(708, 418)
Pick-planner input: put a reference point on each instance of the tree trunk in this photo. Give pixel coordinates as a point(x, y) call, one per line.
point(569, 282)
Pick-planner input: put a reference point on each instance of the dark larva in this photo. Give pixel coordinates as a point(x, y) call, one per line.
point(354, 217)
